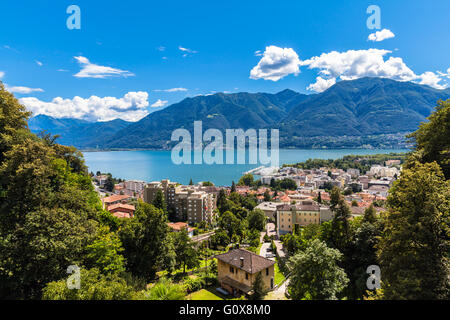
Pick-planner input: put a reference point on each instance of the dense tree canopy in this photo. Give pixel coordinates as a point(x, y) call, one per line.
point(413, 251)
point(315, 273)
point(432, 139)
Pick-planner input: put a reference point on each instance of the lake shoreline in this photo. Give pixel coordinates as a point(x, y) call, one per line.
point(155, 165)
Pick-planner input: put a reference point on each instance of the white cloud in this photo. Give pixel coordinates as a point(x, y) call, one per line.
point(159, 103)
point(276, 63)
point(186, 50)
point(432, 79)
point(131, 107)
point(447, 75)
point(91, 70)
point(62, 70)
point(381, 35)
point(354, 64)
point(40, 64)
point(23, 90)
point(321, 84)
point(2, 74)
point(171, 90)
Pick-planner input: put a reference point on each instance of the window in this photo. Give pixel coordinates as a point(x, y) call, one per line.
point(267, 271)
point(231, 269)
point(246, 276)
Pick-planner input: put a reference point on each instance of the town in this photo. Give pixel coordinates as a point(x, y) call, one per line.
point(288, 198)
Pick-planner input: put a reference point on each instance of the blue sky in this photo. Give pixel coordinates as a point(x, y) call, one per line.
point(128, 52)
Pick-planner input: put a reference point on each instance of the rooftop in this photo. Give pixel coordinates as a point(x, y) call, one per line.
point(253, 263)
point(115, 197)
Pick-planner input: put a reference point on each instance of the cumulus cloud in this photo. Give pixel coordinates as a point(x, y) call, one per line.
point(276, 63)
point(91, 70)
point(354, 64)
point(171, 90)
point(131, 107)
point(40, 64)
point(431, 79)
point(381, 35)
point(159, 103)
point(321, 84)
point(23, 90)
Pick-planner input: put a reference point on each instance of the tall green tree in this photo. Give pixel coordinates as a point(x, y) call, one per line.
point(145, 240)
point(109, 183)
point(315, 274)
point(432, 141)
point(257, 220)
point(231, 224)
point(185, 250)
point(339, 234)
point(13, 121)
point(370, 214)
point(105, 252)
point(246, 180)
point(94, 285)
point(159, 201)
point(221, 200)
point(413, 251)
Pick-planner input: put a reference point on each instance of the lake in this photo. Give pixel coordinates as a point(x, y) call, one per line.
point(150, 165)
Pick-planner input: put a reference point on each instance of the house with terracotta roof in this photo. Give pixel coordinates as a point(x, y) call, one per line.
point(115, 198)
point(237, 270)
point(122, 210)
point(178, 226)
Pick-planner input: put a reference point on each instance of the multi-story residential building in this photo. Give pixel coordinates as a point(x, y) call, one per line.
point(381, 171)
point(189, 203)
point(300, 214)
point(134, 185)
point(101, 179)
point(269, 208)
point(354, 173)
point(237, 270)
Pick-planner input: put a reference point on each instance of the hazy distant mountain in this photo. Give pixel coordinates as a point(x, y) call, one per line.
point(368, 111)
point(76, 132)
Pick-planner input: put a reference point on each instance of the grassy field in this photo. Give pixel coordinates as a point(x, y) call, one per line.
point(279, 277)
point(205, 294)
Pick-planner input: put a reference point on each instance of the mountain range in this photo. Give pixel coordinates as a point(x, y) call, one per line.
point(367, 112)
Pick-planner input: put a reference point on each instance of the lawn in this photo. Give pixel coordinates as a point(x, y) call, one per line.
point(164, 273)
point(279, 277)
point(205, 294)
